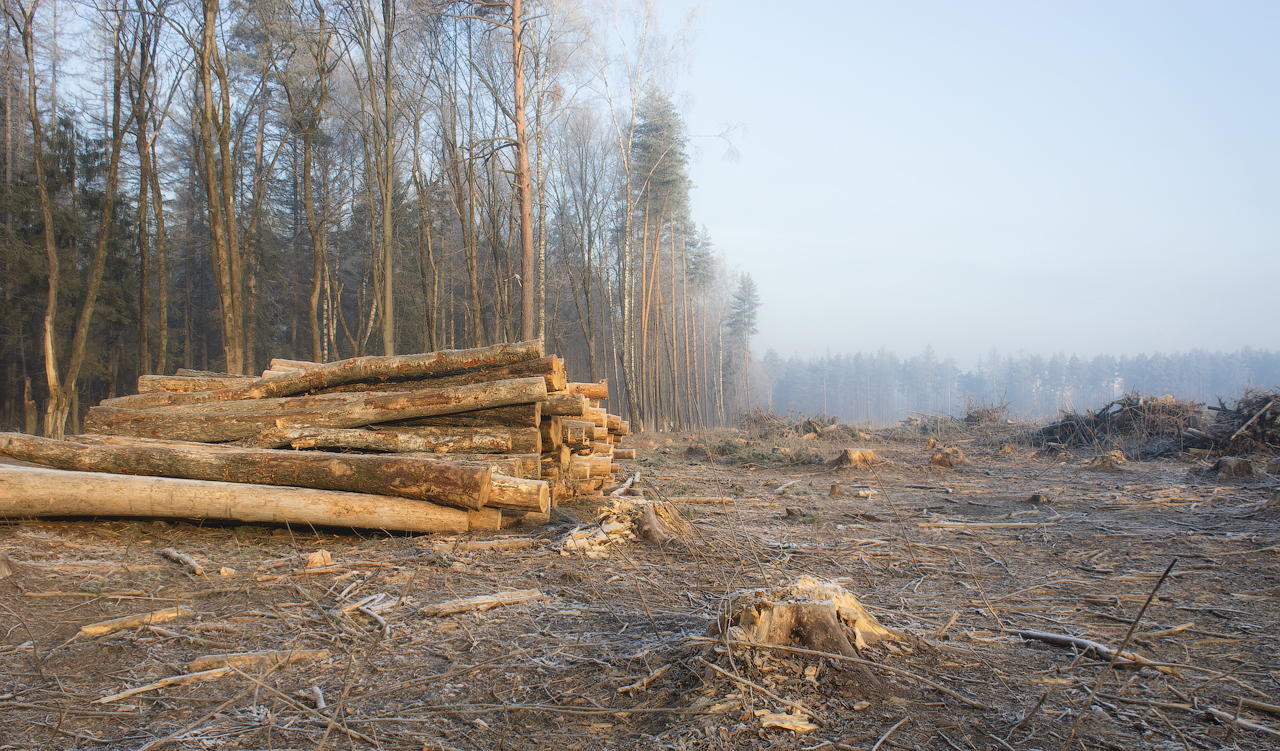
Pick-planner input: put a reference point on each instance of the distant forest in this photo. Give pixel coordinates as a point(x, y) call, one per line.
point(882, 388)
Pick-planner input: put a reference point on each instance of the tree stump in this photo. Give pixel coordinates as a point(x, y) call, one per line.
point(855, 458)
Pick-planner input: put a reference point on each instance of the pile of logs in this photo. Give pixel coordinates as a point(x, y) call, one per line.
point(457, 441)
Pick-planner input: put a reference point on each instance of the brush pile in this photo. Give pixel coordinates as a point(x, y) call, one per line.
point(457, 441)
point(1148, 427)
point(1252, 424)
point(1141, 425)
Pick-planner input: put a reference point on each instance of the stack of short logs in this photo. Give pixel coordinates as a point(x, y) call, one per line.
point(456, 441)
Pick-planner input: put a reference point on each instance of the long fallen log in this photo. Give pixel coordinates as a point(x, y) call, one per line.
point(229, 423)
point(449, 483)
point(356, 369)
point(432, 440)
point(34, 492)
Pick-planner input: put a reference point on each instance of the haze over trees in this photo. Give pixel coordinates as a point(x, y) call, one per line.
point(201, 185)
point(880, 387)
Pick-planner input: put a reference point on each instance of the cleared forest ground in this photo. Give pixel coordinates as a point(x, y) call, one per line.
point(617, 654)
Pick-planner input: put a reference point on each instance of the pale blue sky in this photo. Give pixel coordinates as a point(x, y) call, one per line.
point(1050, 176)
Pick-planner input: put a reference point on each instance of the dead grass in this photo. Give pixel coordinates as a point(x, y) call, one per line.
point(957, 558)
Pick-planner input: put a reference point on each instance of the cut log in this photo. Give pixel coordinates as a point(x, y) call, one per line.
point(598, 417)
point(624, 453)
point(600, 434)
point(447, 483)
point(417, 440)
point(564, 405)
point(277, 362)
point(484, 520)
point(552, 433)
point(600, 465)
point(345, 411)
point(550, 368)
point(33, 492)
point(192, 373)
point(519, 495)
point(590, 390)
point(187, 384)
point(515, 416)
point(624, 428)
point(358, 369)
point(613, 423)
point(602, 449)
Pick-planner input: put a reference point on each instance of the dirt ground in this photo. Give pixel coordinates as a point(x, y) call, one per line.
point(617, 654)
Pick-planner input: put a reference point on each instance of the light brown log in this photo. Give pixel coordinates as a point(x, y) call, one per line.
point(624, 453)
point(600, 434)
point(552, 433)
point(186, 384)
point(590, 390)
point(602, 449)
point(192, 373)
point(514, 416)
point(598, 417)
point(225, 422)
point(564, 405)
point(447, 483)
point(550, 368)
point(518, 440)
point(484, 520)
point(412, 440)
point(293, 364)
point(519, 495)
point(624, 428)
point(600, 465)
point(34, 492)
point(614, 468)
point(613, 423)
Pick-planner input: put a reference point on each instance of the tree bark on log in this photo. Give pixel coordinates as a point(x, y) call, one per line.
point(526, 466)
point(624, 453)
point(552, 433)
point(564, 405)
point(590, 390)
point(414, 440)
point(517, 416)
point(148, 384)
point(447, 483)
point(225, 422)
point(33, 492)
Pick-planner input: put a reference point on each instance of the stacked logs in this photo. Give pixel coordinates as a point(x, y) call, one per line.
point(458, 440)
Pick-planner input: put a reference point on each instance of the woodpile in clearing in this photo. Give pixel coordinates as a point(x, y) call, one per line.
point(457, 441)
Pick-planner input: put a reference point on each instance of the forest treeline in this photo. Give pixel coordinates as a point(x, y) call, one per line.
point(882, 388)
point(200, 185)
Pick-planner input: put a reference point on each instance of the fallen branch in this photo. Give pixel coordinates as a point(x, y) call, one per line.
point(483, 602)
point(177, 680)
point(1098, 648)
point(184, 559)
point(132, 621)
point(240, 659)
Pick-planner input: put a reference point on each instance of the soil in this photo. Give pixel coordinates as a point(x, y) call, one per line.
point(622, 652)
